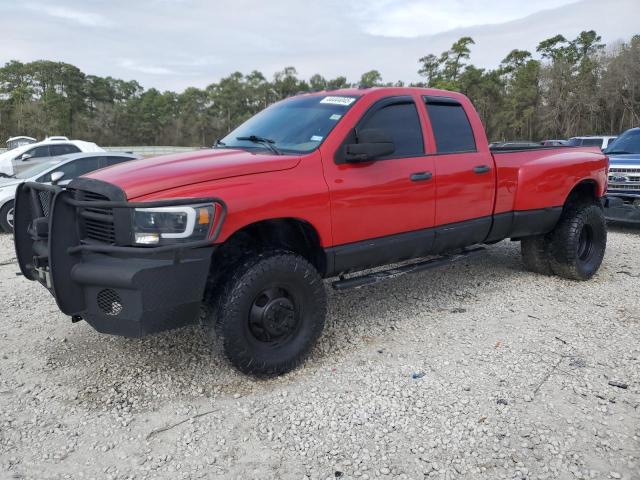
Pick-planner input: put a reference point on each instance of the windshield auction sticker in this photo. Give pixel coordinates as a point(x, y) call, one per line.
point(346, 101)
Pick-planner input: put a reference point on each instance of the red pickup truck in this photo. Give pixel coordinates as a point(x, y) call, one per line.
point(316, 186)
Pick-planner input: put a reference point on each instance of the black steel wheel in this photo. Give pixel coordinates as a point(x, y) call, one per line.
point(271, 312)
point(578, 242)
point(274, 318)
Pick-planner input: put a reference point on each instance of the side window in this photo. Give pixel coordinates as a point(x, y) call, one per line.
point(74, 169)
point(63, 149)
point(37, 152)
point(81, 166)
point(451, 127)
point(115, 160)
point(401, 122)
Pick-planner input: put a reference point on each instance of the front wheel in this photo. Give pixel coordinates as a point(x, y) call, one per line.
point(271, 312)
point(578, 243)
point(6, 216)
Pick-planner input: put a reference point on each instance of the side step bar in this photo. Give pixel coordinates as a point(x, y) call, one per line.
point(379, 276)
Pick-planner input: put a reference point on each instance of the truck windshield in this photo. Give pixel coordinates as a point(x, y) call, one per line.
point(298, 125)
point(628, 142)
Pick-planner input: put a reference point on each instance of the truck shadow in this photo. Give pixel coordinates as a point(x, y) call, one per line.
point(189, 363)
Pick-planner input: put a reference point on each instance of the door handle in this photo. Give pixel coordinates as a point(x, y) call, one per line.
point(420, 176)
point(481, 169)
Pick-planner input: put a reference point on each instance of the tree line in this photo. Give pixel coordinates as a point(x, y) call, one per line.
point(577, 87)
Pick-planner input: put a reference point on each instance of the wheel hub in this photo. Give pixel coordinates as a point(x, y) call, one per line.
point(10, 217)
point(278, 316)
point(273, 317)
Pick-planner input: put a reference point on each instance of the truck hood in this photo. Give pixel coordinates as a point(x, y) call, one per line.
point(619, 160)
point(143, 177)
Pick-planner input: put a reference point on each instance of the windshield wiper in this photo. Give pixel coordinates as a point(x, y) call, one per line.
point(4, 175)
point(619, 152)
point(267, 142)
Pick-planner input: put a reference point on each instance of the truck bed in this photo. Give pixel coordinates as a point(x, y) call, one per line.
point(531, 178)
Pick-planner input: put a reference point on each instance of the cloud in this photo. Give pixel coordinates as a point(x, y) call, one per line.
point(412, 18)
point(134, 66)
point(174, 44)
point(87, 19)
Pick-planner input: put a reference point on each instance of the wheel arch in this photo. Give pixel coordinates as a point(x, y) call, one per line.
point(7, 200)
point(288, 233)
point(586, 189)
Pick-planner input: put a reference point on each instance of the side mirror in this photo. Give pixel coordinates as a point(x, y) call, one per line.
point(56, 177)
point(25, 156)
point(372, 143)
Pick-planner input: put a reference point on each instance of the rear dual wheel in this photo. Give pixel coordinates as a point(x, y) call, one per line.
point(574, 249)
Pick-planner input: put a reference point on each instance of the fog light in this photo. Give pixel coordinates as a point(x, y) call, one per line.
point(147, 238)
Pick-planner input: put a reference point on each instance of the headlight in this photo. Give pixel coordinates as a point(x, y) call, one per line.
point(162, 225)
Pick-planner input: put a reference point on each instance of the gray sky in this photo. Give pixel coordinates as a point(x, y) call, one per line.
point(173, 44)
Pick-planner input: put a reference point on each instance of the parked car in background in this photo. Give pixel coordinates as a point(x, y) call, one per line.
point(554, 143)
point(15, 142)
point(66, 167)
point(592, 141)
point(623, 193)
point(25, 156)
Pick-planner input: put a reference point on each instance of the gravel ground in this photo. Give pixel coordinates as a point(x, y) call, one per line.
point(474, 371)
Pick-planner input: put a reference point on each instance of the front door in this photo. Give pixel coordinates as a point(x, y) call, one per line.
point(389, 201)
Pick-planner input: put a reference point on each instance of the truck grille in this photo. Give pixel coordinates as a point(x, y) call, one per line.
point(97, 222)
point(625, 170)
point(624, 178)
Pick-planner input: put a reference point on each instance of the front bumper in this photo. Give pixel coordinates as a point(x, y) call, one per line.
point(118, 289)
point(620, 209)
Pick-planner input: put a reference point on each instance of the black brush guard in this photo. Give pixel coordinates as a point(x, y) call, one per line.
point(117, 288)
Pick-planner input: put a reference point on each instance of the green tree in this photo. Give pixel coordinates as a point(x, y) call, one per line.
point(372, 78)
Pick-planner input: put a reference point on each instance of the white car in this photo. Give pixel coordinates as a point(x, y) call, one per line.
point(602, 141)
point(63, 169)
point(15, 142)
point(23, 157)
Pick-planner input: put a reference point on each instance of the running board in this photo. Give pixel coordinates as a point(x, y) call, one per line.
point(379, 276)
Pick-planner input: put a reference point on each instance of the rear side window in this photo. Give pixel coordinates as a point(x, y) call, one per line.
point(63, 149)
point(115, 160)
point(592, 142)
point(451, 127)
point(401, 122)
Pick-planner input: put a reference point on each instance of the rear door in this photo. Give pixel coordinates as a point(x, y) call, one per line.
point(382, 209)
point(465, 176)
